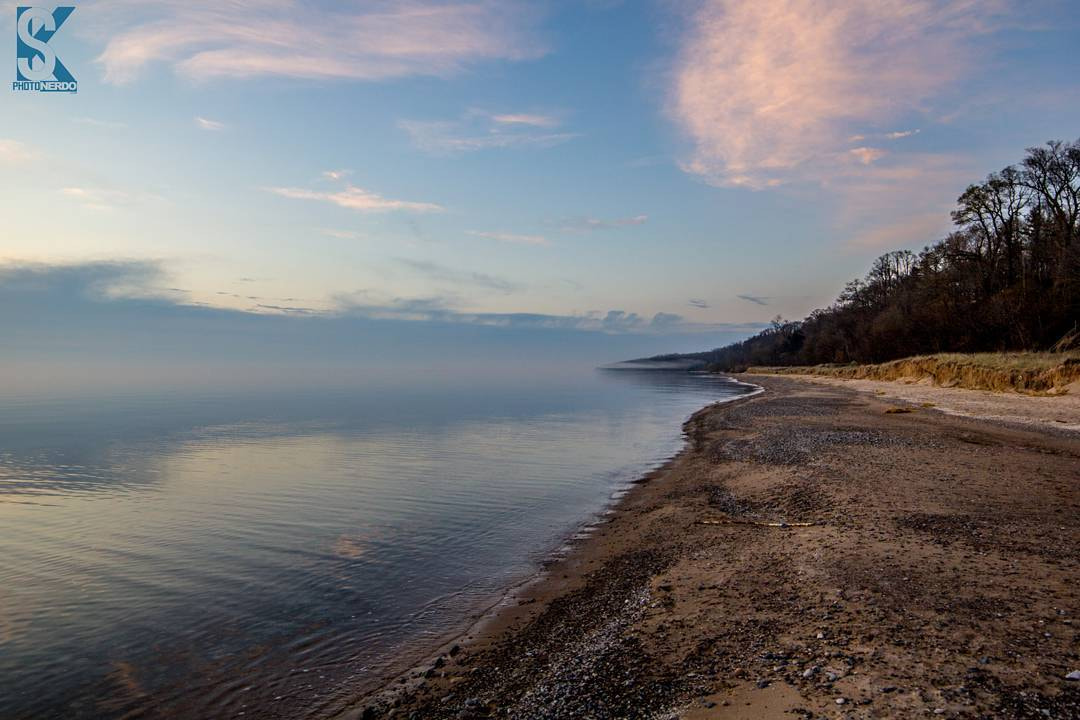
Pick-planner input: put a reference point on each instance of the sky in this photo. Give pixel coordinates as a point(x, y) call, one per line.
point(626, 177)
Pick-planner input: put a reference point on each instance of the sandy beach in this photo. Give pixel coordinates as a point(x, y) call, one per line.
point(809, 554)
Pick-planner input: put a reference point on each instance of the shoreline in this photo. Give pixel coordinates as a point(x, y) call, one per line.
point(497, 610)
point(618, 627)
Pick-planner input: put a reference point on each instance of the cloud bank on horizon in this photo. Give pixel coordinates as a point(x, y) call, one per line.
point(122, 324)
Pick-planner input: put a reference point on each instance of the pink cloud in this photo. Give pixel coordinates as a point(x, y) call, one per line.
point(526, 119)
point(13, 151)
point(354, 198)
point(771, 91)
point(374, 40)
point(866, 155)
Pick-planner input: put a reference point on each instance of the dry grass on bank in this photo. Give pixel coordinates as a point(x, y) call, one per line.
point(1028, 372)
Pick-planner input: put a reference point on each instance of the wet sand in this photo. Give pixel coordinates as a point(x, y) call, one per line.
point(809, 554)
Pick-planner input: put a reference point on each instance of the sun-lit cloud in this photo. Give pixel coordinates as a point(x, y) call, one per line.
point(13, 151)
point(375, 40)
point(592, 224)
point(208, 124)
point(482, 130)
point(105, 199)
point(900, 200)
point(897, 134)
point(900, 232)
point(106, 124)
point(354, 198)
point(772, 91)
point(526, 119)
point(511, 238)
point(866, 155)
point(336, 174)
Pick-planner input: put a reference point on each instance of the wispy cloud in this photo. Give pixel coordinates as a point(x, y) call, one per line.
point(107, 124)
point(368, 41)
point(105, 199)
point(511, 238)
point(13, 151)
point(591, 224)
point(897, 134)
point(545, 121)
point(698, 303)
point(756, 299)
point(444, 274)
point(770, 91)
point(481, 130)
point(354, 198)
point(208, 124)
point(336, 174)
point(342, 234)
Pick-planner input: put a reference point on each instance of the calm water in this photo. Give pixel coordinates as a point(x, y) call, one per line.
point(206, 556)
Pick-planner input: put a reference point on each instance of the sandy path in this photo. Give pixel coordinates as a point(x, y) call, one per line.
point(939, 577)
point(1060, 412)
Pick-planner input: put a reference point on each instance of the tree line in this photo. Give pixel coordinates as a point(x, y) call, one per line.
point(1006, 278)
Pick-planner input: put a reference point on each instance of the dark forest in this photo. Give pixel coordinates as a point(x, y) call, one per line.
point(1007, 278)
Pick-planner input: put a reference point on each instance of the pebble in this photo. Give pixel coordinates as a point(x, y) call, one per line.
point(840, 701)
point(1074, 675)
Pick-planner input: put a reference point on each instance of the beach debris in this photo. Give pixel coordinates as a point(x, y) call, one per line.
point(897, 410)
point(759, 523)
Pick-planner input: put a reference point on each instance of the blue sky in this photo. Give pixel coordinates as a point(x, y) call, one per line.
point(698, 167)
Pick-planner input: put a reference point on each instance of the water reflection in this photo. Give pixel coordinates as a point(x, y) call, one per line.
point(204, 556)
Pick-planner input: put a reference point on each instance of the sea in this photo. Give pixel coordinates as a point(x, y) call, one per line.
point(271, 553)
